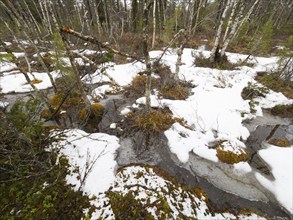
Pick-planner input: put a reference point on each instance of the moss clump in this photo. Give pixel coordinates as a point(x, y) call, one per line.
point(174, 92)
point(274, 82)
point(230, 154)
point(55, 100)
point(280, 142)
point(127, 207)
point(95, 112)
point(252, 90)
point(73, 99)
point(285, 111)
point(200, 193)
point(154, 121)
point(36, 81)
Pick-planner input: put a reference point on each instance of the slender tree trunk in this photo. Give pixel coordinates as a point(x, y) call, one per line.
point(154, 23)
point(197, 16)
point(215, 50)
point(146, 55)
point(234, 5)
point(179, 53)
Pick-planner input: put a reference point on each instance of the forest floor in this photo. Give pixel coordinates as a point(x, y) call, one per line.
point(163, 179)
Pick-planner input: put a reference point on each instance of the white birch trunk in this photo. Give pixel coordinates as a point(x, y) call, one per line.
point(197, 16)
point(247, 16)
point(219, 32)
point(154, 24)
point(234, 5)
point(232, 32)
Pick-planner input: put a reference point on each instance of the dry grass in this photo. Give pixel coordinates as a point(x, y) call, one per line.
point(174, 92)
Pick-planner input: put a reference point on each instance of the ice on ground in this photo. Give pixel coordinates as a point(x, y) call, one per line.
point(91, 158)
point(281, 162)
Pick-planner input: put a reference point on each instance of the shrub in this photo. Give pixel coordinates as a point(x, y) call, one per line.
point(174, 92)
point(280, 142)
point(222, 64)
point(252, 105)
point(285, 111)
point(32, 183)
point(253, 90)
point(230, 154)
point(266, 42)
point(274, 82)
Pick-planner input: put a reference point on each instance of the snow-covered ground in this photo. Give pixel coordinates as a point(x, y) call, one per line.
point(160, 197)
point(215, 111)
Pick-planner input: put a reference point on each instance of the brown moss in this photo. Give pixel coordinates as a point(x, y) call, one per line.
point(174, 92)
point(154, 121)
point(46, 114)
point(280, 142)
point(73, 99)
point(95, 112)
point(285, 111)
point(55, 100)
point(231, 157)
point(137, 87)
point(200, 193)
point(36, 81)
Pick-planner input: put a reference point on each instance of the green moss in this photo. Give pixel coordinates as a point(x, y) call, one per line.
point(285, 111)
point(127, 207)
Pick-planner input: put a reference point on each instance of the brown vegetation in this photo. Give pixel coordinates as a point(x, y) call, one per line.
point(231, 156)
point(280, 142)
